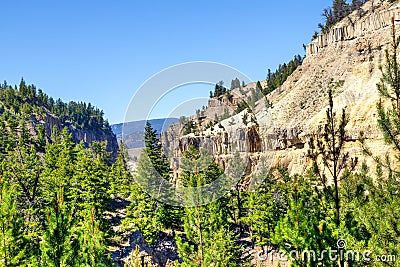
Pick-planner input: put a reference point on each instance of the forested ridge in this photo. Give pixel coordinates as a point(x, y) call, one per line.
point(53, 191)
point(26, 99)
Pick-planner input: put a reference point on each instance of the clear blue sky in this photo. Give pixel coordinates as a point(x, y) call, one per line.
point(102, 51)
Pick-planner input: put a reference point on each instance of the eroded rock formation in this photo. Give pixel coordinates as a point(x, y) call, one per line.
point(86, 136)
point(346, 59)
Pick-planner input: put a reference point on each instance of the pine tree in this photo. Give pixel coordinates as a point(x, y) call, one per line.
point(306, 225)
point(378, 210)
point(153, 149)
point(12, 239)
point(148, 212)
point(41, 137)
point(23, 170)
point(208, 240)
point(236, 173)
point(92, 174)
point(264, 206)
point(328, 157)
point(328, 151)
point(159, 180)
point(356, 4)
point(92, 240)
point(121, 179)
point(59, 169)
point(58, 246)
point(141, 215)
point(340, 9)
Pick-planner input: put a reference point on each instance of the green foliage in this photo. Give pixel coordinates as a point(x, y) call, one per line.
point(265, 206)
point(377, 208)
point(339, 10)
point(220, 89)
point(142, 213)
point(26, 99)
point(328, 151)
point(49, 195)
point(277, 78)
point(59, 246)
point(235, 84)
point(208, 240)
point(92, 176)
point(242, 106)
point(91, 239)
point(245, 118)
point(389, 88)
point(121, 178)
point(307, 224)
point(236, 173)
point(12, 239)
point(146, 213)
point(190, 127)
point(53, 193)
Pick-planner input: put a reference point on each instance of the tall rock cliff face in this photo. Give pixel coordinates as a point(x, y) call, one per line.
point(346, 59)
point(86, 136)
point(357, 25)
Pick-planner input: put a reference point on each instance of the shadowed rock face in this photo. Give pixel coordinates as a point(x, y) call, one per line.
point(245, 140)
point(221, 145)
point(90, 136)
point(86, 136)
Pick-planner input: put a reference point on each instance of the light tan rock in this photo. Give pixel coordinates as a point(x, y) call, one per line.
point(347, 59)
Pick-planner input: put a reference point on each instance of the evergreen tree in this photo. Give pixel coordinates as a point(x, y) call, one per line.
point(140, 215)
point(12, 239)
point(208, 240)
point(146, 212)
point(121, 178)
point(340, 9)
point(277, 78)
point(356, 4)
point(378, 209)
point(41, 137)
point(153, 149)
point(92, 240)
point(93, 177)
point(265, 206)
point(235, 84)
point(306, 226)
point(236, 173)
point(328, 151)
point(23, 170)
point(58, 246)
point(159, 180)
point(59, 169)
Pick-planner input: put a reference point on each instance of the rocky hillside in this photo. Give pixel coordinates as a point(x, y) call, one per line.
point(26, 107)
point(346, 59)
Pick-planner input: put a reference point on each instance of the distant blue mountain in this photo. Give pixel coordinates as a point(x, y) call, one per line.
point(134, 130)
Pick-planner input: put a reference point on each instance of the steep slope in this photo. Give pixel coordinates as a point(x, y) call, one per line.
point(346, 59)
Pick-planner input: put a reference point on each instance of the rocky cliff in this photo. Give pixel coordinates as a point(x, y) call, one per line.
point(86, 136)
point(346, 59)
point(357, 25)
